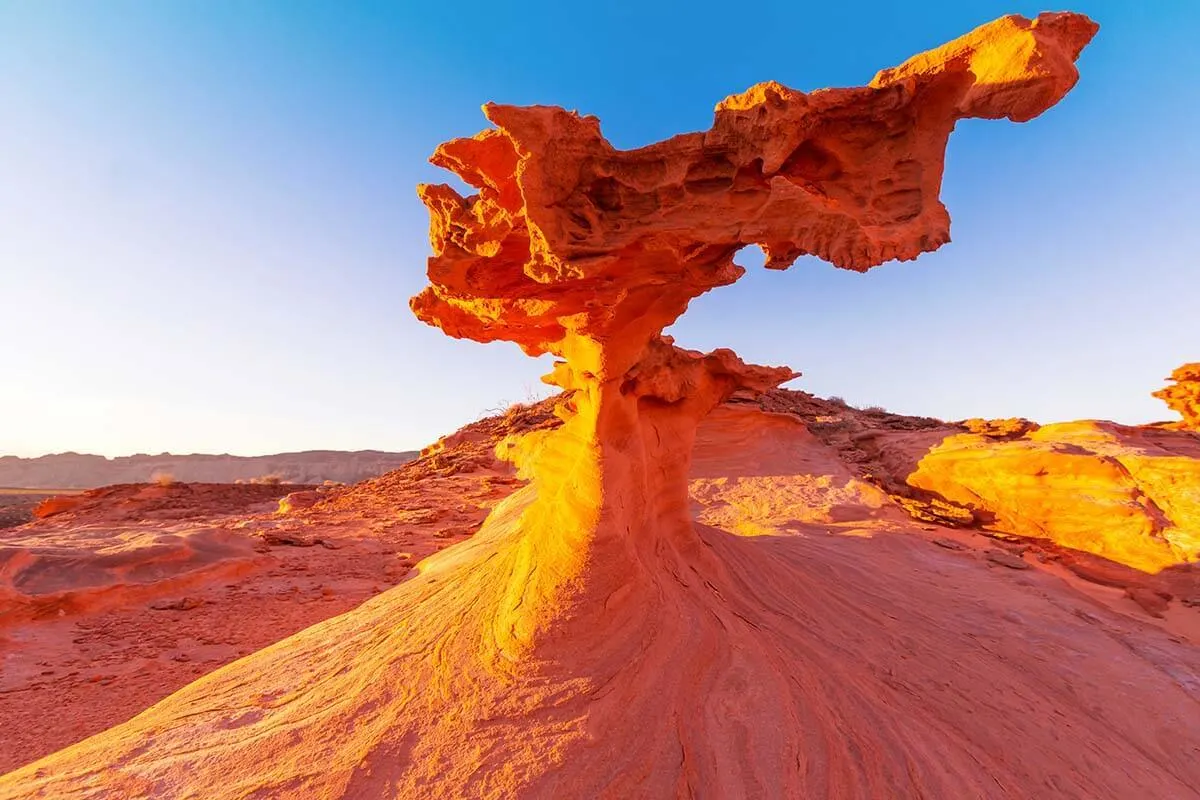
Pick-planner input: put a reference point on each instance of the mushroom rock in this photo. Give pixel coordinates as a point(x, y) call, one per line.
point(591, 640)
point(1183, 396)
point(575, 248)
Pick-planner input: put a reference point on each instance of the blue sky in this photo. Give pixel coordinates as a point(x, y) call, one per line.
point(209, 230)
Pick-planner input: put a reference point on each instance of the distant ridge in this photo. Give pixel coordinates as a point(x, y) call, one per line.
point(82, 471)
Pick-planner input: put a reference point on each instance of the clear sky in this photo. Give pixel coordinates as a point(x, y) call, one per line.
point(209, 230)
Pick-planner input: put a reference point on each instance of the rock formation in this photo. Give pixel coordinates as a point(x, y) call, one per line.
point(574, 248)
point(1184, 396)
point(1116, 504)
point(1112, 490)
point(590, 639)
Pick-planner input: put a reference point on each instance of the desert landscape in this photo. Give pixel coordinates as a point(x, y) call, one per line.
point(672, 577)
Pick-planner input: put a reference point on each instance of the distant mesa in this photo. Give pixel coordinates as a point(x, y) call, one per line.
point(78, 471)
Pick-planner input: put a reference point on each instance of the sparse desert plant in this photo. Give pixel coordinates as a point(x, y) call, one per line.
point(499, 409)
point(837, 400)
point(163, 479)
point(268, 480)
point(874, 410)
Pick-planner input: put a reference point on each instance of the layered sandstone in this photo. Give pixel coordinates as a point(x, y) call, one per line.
point(81, 667)
point(591, 639)
point(1127, 494)
point(1183, 396)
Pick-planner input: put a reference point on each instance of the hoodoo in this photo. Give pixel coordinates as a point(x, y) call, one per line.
point(574, 248)
point(592, 640)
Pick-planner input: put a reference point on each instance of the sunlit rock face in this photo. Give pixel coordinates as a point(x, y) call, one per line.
point(575, 248)
point(591, 639)
point(1124, 493)
point(1183, 395)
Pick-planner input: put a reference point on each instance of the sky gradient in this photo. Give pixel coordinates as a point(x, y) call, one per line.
point(209, 229)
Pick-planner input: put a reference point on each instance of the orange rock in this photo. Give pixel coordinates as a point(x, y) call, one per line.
point(575, 248)
point(1184, 396)
point(1010, 428)
point(1127, 494)
point(55, 505)
point(591, 640)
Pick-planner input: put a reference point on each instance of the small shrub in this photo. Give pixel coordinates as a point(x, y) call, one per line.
point(268, 480)
point(163, 479)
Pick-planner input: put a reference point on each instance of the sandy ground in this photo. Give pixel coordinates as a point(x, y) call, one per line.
point(987, 666)
point(87, 663)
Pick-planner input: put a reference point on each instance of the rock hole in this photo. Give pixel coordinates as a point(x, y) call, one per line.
point(605, 194)
point(810, 162)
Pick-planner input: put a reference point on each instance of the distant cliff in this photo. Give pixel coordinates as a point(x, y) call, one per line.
point(76, 471)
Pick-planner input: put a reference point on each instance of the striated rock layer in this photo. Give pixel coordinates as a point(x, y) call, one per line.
point(753, 474)
point(1183, 396)
point(1131, 495)
point(896, 669)
point(591, 639)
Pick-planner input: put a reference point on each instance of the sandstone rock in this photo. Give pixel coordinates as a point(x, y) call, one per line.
point(575, 248)
point(1010, 428)
point(56, 505)
point(1154, 603)
point(949, 544)
point(295, 501)
point(1184, 396)
point(140, 502)
point(1127, 494)
point(544, 656)
point(179, 604)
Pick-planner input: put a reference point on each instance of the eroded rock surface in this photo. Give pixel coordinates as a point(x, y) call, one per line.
point(1183, 395)
point(591, 639)
point(1127, 494)
point(575, 248)
point(1131, 495)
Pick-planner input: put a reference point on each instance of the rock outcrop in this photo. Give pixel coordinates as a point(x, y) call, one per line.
point(574, 248)
point(591, 639)
point(1184, 395)
point(1127, 494)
